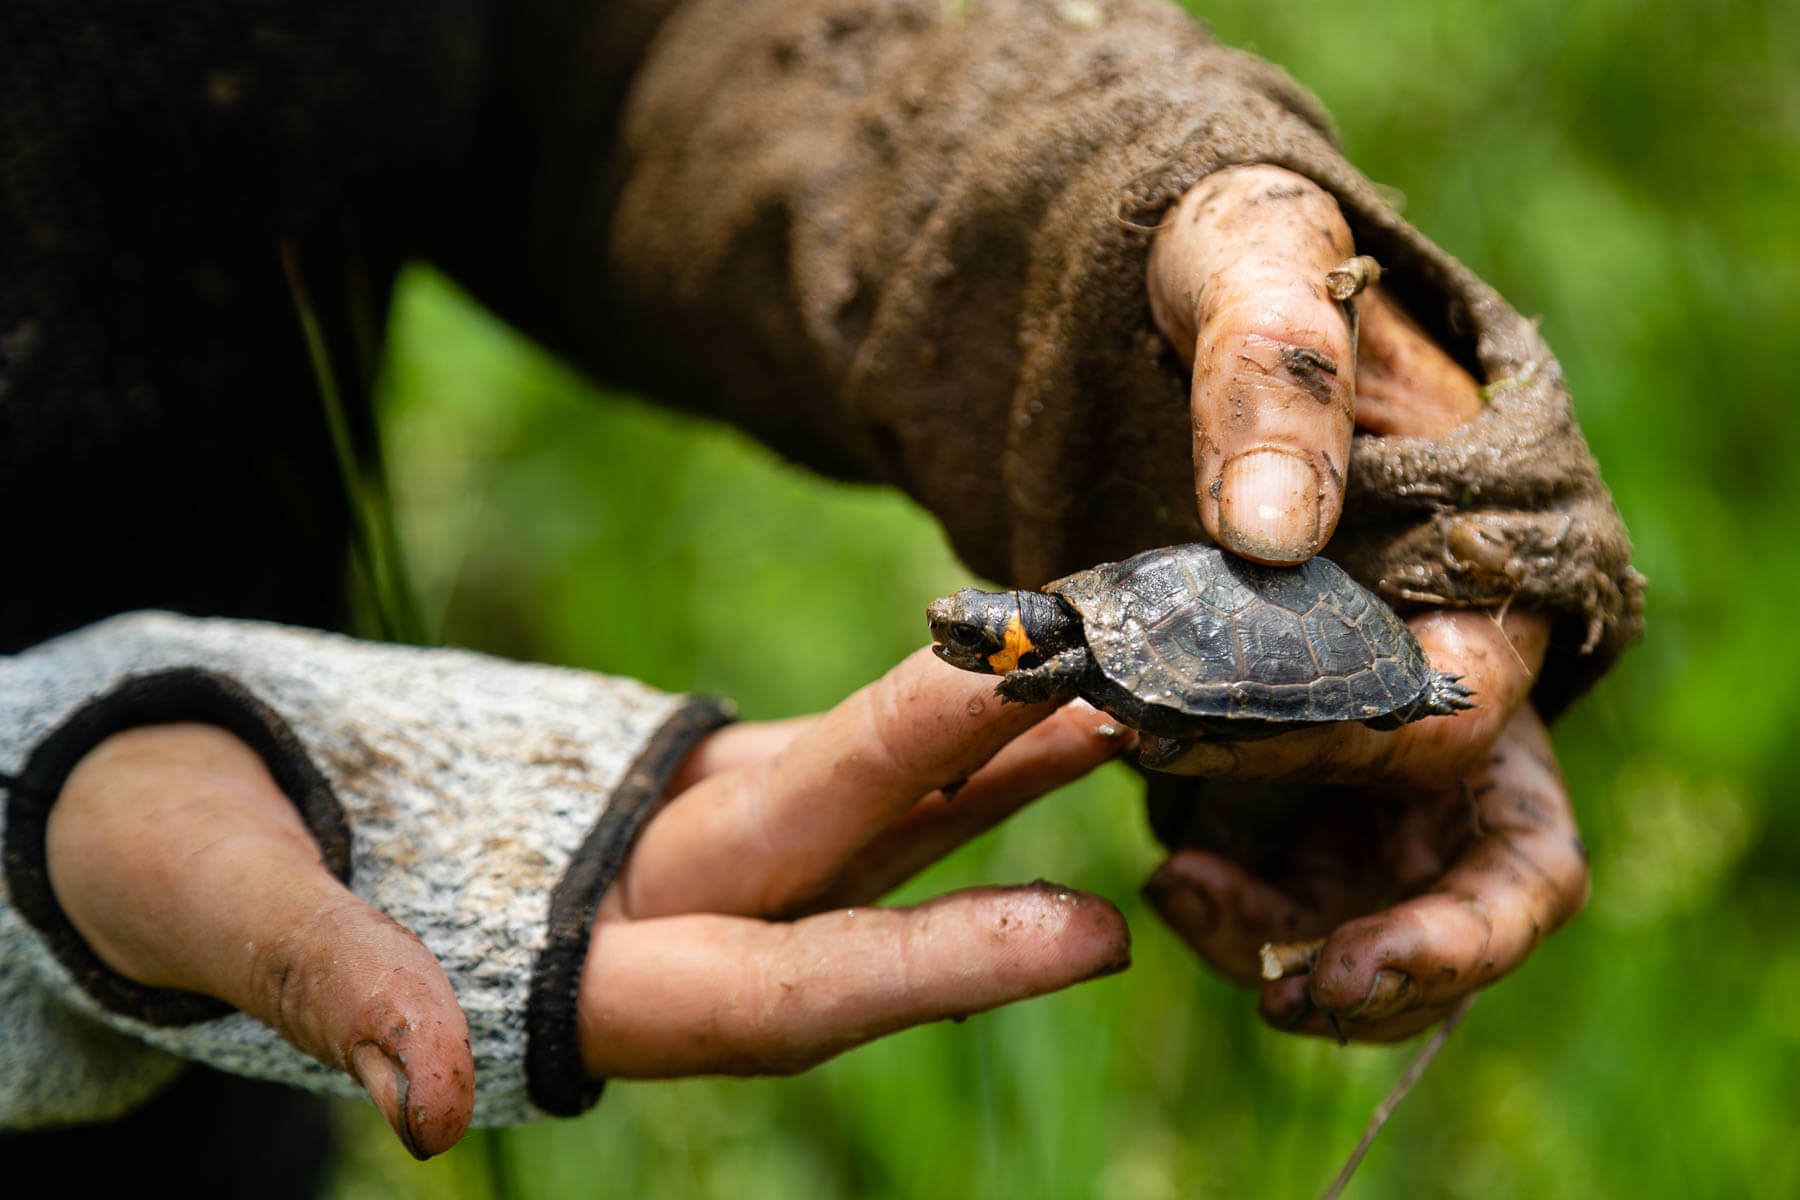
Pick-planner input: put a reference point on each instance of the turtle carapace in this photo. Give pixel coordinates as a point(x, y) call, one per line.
point(1189, 641)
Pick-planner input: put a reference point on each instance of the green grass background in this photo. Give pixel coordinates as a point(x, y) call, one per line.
point(1629, 171)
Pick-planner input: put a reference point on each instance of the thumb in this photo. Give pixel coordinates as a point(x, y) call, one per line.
point(1239, 275)
point(178, 859)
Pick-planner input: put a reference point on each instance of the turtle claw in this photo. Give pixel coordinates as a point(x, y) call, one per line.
point(1447, 695)
point(1057, 679)
point(1443, 696)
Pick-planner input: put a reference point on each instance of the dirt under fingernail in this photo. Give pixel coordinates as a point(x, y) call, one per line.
point(1388, 993)
point(1269, 506)
point(388, 1087)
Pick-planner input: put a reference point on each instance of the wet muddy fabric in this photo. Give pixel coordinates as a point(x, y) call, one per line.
point(906, 240)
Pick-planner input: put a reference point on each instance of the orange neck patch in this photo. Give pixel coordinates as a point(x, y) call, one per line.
point(1017, 646)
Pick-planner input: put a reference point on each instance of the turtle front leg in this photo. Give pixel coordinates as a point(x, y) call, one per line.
point(1057, 678)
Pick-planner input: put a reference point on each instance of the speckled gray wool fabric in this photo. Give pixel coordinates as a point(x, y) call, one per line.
point(467, 782)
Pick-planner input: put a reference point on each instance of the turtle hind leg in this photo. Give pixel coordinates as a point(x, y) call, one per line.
point(1442, 696)
point(1058, 678)
point(1445, 695)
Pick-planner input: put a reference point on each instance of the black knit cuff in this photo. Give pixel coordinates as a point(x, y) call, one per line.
point(554, 1078)
point(166, 697)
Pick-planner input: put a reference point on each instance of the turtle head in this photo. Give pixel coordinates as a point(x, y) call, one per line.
point(979, 631)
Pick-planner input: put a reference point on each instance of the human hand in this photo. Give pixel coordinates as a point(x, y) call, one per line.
point(690, 969)
point(182, 865)
point(1483, 868)
point(1239, 274)
point(1284, 372)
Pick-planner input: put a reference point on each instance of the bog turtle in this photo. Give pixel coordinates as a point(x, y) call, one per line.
point(1189, 641)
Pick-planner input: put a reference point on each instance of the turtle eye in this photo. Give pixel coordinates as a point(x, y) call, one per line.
point(967, 636)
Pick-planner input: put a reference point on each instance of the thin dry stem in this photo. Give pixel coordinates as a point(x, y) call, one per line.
point(1391, 1101)
point(1281, 959)
point(1351, 276)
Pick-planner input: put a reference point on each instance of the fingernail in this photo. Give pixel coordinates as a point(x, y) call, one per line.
point(1388, 994)
point(387, 1085)
point(1269, 506)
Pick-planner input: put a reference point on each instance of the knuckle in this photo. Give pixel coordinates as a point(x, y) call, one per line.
point(759, 1029)
point(892, 733)
point(289, 978)
point(282, 983)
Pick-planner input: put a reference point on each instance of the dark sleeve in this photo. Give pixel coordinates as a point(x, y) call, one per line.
point(162, 437)
point(904, 240)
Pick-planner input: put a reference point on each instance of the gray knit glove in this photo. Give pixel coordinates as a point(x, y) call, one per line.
point(485, 805)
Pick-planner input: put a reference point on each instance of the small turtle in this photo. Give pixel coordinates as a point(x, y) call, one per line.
point(1189, 641)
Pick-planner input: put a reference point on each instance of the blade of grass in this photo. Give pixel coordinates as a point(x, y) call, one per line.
point(375, 541)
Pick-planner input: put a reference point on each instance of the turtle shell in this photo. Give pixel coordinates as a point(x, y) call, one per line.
point(1207, 636)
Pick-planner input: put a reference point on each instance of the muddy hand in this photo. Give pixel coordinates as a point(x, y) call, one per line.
point(179, 860)
point(1293, 348)
point(1241, 281)
point(1466, 813)
point(1493, 865)
point(808, 821)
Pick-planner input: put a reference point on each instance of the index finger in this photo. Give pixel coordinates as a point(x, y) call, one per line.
point(760, 838)
point(1238, 283)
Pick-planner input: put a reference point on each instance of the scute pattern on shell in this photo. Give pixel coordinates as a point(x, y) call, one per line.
point(1199, 631)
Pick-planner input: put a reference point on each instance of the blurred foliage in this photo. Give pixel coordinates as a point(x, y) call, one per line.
point(1629, 171)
